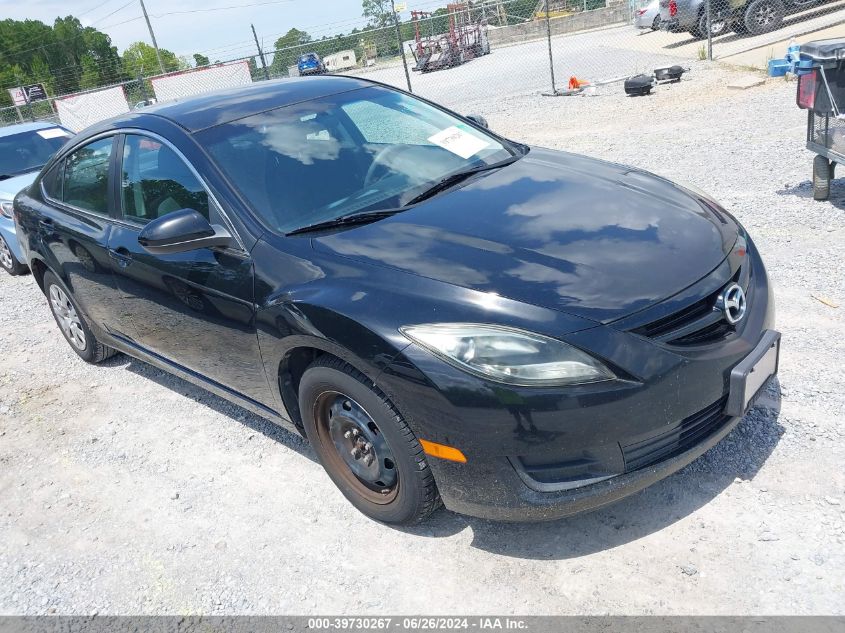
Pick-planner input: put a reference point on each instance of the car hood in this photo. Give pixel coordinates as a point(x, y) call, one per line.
point(10, 187)
point(591, 238)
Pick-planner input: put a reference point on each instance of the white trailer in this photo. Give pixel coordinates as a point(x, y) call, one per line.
point(340, 61)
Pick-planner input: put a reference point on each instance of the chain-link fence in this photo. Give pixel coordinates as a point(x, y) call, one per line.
point(468, 56)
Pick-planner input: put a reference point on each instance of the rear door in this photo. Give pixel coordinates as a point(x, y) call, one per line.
point(194, 309)
point(74, 224)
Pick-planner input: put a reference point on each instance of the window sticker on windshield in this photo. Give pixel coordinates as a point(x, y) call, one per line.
point(458, 140)
point(53, 132)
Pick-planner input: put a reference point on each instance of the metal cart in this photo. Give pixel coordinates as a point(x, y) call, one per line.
point(821, 91)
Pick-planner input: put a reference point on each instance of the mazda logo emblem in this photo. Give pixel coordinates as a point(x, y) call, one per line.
point(732, 303)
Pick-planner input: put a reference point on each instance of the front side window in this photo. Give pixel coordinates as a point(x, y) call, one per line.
point(86, 177)
point(156, 181)
point(367, 149)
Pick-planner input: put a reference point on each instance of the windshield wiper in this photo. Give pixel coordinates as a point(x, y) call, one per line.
point(454, 179)
point(347, 220)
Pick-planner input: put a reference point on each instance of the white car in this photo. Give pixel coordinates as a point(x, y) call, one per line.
point(648, 17)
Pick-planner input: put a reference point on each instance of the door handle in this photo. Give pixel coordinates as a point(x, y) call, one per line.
point(121, 256)
point(46, 223)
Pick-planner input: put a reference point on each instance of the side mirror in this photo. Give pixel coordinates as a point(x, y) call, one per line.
point(478, 120)
point(181, 231)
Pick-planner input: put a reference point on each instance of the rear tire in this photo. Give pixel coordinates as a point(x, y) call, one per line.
point(72, 322)
point(343, 411)
point(762, 16)
point(655, 26)
point(822, 174)
point(8, 261)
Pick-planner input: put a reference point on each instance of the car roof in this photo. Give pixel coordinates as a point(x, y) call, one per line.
point(9, 130)
point(222, 106)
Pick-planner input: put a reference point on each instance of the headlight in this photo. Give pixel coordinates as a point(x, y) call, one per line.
point(511, 356)
point(6, 208)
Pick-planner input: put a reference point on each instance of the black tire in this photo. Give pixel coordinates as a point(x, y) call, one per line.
point(655, 25)
point(412, 494)
point(822, 174)
point(8, 261)
point(92, 351)
point(717, 26)
point(762, 16)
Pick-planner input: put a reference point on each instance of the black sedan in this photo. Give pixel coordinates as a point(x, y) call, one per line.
point(448, 316)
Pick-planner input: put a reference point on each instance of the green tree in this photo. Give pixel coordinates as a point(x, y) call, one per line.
point(62, 56)
point(287, 48)
point(200, 60)
point(140, 58)
point(379, 12)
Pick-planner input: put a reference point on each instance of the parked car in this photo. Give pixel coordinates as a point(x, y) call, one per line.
point(310, 64)
point(24, 149)
point(648, 17)
point(444, 313)
point(743, 16)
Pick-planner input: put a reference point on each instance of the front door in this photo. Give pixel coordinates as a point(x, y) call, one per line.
point(194, 309)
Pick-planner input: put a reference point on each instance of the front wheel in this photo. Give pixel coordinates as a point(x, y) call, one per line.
point(717, 26)
point(364, 444)
point(72, 323)
point(8, 260)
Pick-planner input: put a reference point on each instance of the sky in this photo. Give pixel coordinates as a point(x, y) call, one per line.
point(190, 27)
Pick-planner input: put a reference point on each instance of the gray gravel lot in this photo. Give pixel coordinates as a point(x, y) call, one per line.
point(125, 490)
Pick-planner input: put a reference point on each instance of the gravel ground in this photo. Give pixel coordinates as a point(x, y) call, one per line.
point(125, 490)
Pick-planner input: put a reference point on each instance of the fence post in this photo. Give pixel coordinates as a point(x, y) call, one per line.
point(401, 47)
point(709, 31)
point(549, 38)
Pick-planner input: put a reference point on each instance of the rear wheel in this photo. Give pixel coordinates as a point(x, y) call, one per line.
point(72, 323)
point(655, 26)
point(762, 16)
point(822, 174)
point(8, 260)
point(365, 445)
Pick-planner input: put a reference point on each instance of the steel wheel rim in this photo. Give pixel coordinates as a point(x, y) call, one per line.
point(67, 317)
point(5, 253)
point(356, 447)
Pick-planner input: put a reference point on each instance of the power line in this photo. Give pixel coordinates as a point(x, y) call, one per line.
point(234, 6)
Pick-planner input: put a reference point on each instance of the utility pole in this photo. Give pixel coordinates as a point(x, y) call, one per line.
point(401, 46)
point(153, 37)
point(260, 54)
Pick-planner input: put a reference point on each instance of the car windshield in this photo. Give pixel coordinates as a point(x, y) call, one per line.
point(28, 151)
point(363, 150)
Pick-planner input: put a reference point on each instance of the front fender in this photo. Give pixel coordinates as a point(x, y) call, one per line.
point(289, 326)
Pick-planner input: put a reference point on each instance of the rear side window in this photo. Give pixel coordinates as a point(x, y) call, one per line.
point(156, 181)
point(52, 181)
point(86, 177)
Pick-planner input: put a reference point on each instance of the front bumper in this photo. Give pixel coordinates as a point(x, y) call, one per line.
point(600, 442)
point(7, 229)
